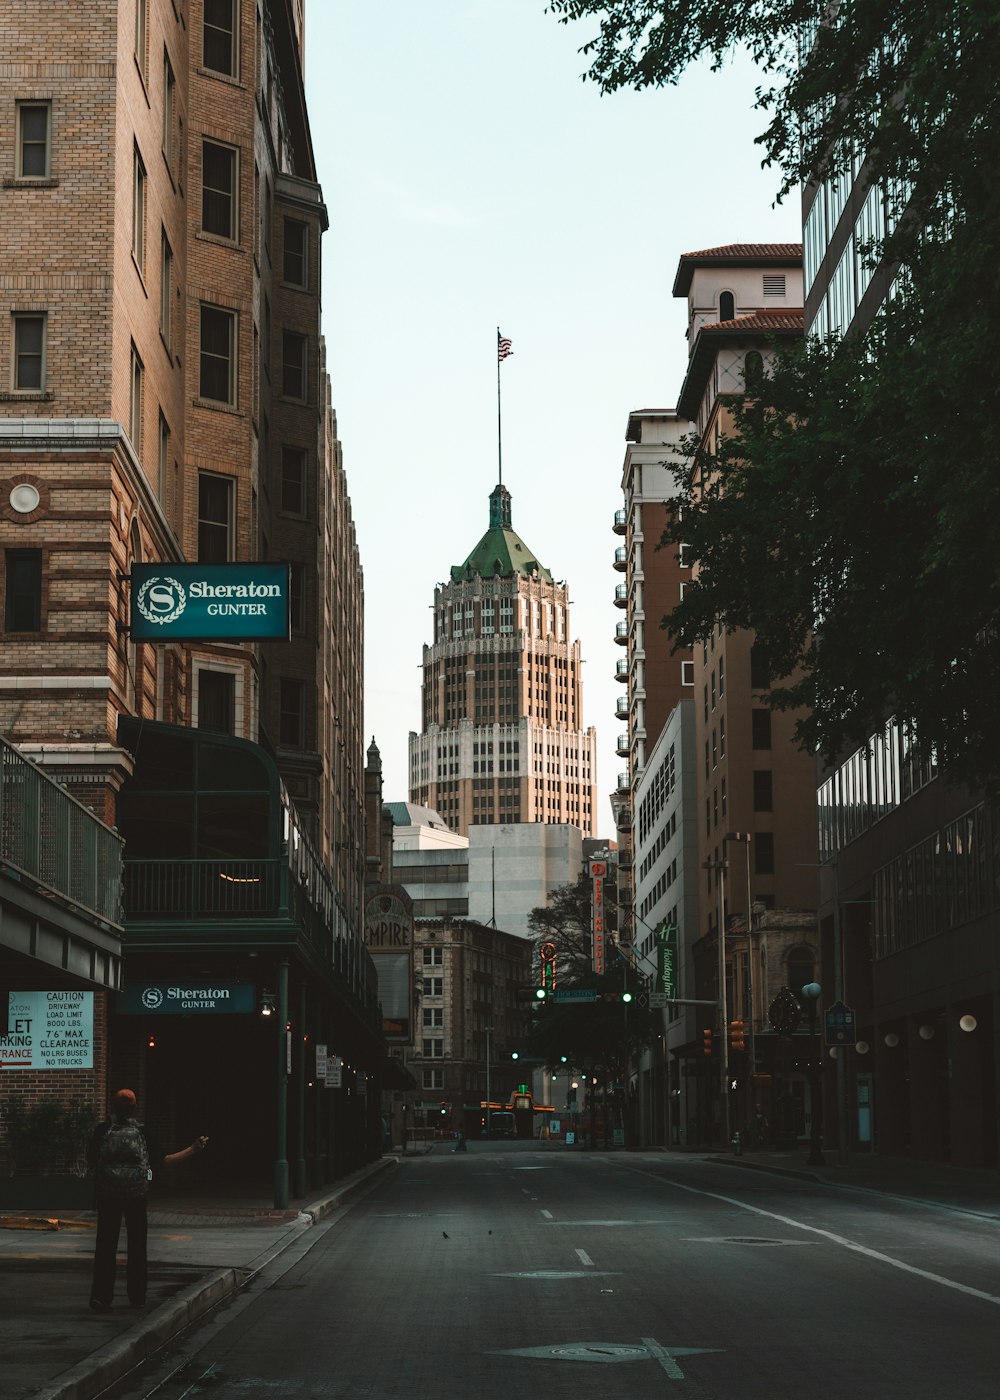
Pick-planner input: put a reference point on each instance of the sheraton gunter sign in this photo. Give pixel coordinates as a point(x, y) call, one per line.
point(210, 602)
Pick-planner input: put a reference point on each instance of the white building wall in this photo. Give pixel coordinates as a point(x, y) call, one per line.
point(513, 869)
point(666, 890)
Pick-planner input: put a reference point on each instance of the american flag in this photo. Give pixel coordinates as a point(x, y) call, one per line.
point(504, 347)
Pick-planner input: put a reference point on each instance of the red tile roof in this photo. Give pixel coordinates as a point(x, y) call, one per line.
point(749, 252)
point(735, 255)
point(785, 318)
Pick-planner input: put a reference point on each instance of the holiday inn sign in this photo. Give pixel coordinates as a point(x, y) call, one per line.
point(210, 602)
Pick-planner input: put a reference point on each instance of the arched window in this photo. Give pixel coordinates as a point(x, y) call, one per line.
point(727, 306)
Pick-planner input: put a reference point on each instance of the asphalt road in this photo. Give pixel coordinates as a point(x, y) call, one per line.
point(511, 1271)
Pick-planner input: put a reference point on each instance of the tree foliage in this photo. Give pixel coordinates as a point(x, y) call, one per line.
point(600, 1034)
point(850, 521)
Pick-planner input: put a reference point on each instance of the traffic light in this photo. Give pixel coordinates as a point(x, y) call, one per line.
point(737, 1035)
point(541, 993)
point(616, 996)
point(444, 1107)
point(706, 1042)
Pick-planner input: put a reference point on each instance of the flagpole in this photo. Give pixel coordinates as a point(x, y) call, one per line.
point(499, 432)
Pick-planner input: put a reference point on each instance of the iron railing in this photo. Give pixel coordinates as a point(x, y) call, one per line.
point(202, 889)
point(51, 839)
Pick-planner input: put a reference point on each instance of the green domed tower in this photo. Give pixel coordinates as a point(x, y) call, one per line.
point(502, 738)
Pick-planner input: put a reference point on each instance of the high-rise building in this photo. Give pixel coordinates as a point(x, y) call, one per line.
point(502, 738)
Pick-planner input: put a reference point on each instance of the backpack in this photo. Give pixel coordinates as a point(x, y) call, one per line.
point(123, 1160)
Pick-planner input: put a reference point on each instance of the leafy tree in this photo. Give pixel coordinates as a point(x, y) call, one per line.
point(849, 520)
point(565, 921)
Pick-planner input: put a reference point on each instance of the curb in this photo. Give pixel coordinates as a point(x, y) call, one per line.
point(99, 1370)
point(109, 1363)
point(44, 1222)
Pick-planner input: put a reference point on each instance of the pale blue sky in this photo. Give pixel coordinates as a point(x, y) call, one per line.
point(473, 180)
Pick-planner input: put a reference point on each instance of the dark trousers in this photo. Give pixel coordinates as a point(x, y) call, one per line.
point(111, 1211)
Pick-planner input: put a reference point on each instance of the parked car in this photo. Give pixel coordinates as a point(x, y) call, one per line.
point(503, 1125)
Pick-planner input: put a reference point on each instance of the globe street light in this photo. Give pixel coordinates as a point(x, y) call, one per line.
point(810, 995)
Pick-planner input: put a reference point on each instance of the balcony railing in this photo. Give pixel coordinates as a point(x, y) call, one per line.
point(621, 558)
point(621, 668)
point(621, 595)
point(622, 744)
point(621, 634)
point(54, 841)
point(202, 889)
point(621, 708)
point(621, 522)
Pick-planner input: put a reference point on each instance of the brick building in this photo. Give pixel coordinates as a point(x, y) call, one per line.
point(164, 400)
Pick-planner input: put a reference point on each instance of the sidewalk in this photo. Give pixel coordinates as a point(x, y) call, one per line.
point(972, 1189)
point(202, 1251)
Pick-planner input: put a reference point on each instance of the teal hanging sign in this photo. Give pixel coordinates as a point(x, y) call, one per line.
point(210, 602)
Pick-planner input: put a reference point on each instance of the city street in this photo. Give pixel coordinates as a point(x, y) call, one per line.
point(518, 1268)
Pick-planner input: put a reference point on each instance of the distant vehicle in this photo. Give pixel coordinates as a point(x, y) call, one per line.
point(503, 1125)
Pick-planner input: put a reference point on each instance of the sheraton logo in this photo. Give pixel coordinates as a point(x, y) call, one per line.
point(162, 598)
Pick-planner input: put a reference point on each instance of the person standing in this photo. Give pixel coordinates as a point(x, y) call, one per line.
point(122, 1156)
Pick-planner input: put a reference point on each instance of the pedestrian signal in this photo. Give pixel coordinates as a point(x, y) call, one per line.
point(737, 1035)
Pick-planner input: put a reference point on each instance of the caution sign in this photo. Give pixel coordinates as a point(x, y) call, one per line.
point(49, 1030)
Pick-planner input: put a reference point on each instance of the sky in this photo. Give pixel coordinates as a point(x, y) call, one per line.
point(473, 181)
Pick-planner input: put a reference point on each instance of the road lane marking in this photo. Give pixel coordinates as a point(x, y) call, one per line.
point(584, 1257)
point(547, 1214)
point(830, 1235)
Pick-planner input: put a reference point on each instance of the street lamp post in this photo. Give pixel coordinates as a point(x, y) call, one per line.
point(811, 994)
point(743, 838)
point(720, 867)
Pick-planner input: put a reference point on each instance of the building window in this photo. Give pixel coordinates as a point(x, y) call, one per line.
point(215, 518)
point(166, 286)
point(291, 714)
point(433, 957)
point(138, 210)
point(293, 480)
point(760, 674)
point(763, 790)
point(296, 250)
point(433, 1079)
point(760, 728)
point(217, 380)
point(33, 128)
point(218, 190)
point(23, 590)
point(217, 701)
point(763, 853)
point(727, 306)
point(687, 673)
point(163, 461)
point(219, 47)
point(141, 28)
point(169, 103)
point(433, 986)
point(293, 365)
point(29, 352)
point(135, 404)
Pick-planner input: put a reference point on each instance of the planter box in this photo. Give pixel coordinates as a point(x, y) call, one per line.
point(46, 1193)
